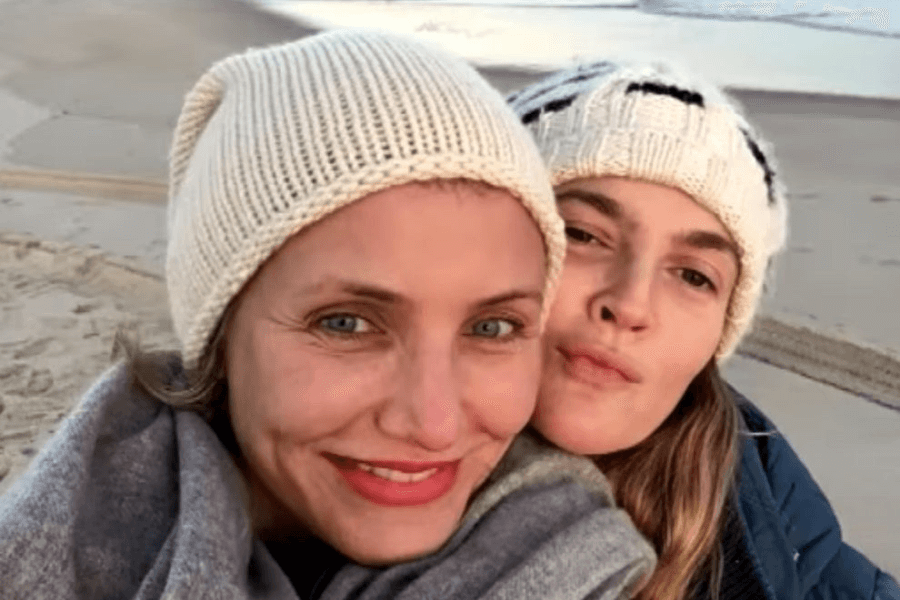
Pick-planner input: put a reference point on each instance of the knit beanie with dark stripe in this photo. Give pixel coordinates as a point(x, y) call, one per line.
point(651, 123)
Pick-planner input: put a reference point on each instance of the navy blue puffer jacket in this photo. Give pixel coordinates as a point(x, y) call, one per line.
point(791, 532)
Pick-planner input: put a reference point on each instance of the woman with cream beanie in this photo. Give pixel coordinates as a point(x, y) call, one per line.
point(363, 245)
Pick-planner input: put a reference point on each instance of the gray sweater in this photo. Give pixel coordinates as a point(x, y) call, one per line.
point(133, 499)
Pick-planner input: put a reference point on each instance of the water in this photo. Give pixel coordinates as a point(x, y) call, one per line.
point(834, 47)
point(863, 16)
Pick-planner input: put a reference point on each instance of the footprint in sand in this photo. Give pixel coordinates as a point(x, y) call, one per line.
point(13, 375)
point(32, 349)
point(22, 380)
point(40, 381)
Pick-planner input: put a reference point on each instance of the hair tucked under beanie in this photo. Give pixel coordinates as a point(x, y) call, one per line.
point(274, 139)
point(646, 122)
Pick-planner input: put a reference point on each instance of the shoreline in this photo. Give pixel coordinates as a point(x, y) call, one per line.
point(508, 78)
point(115, 186)
point(743, 53)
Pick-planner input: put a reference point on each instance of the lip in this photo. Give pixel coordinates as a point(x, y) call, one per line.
point(597, 365)
point(385, 492)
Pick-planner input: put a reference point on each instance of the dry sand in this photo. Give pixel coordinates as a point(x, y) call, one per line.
point(59, 308)
point(89, 92)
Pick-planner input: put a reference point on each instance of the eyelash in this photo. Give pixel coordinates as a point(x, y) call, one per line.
point(517, 329)
point(706, 283)
point(577, 235)
point(319, 322)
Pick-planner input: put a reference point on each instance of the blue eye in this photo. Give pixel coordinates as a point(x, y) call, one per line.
point(494, 328)
point(345, 323)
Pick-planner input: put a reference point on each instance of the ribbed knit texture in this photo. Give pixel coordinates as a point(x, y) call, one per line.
point(274, 139)
point(134, 499)
point(651, 124)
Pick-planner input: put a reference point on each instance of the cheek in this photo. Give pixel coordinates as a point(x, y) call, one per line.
point(284, 389)
point(576, 284)
point(501, 392)
point(691, 339)
point(688, 345)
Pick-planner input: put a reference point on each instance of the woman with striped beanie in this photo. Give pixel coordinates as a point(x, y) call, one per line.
point(673, 212)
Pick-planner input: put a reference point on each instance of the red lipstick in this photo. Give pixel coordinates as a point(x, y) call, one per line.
point(397, 483)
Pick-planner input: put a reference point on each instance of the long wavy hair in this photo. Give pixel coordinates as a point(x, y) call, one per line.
point(676, 484)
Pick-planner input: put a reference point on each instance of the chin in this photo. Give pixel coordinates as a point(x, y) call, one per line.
point(563, 428)
point(383, 536)
point(382, 551)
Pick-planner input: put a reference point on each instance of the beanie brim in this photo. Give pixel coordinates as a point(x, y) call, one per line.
point(343, 192)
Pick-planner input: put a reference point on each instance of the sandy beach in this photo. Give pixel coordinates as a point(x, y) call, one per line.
point(89, 93)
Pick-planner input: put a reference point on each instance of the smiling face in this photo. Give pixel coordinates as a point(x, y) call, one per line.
point(381, 362)
point(639, 311)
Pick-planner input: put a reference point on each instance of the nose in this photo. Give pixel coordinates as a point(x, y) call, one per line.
point(426, 409)
point(623, 296)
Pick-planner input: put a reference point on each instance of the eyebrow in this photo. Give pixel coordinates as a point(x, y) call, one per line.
point(708, 240)
point(386, 296)
point(703, 240)
point(535, 295)
point(600, 202)
point(371, 292)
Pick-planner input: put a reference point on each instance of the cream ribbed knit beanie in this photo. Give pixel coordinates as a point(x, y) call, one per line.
point(647, 122)
point(274, 139)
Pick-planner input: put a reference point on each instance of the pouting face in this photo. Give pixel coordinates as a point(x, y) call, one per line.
point(381, 362)
point(639, 311)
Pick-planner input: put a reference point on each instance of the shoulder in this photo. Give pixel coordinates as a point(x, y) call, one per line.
point(106, 449)
point(851, 576)
point(789, 519)
point(101, 498)
point(110, 417)
point(544, 526)
point(766, 446)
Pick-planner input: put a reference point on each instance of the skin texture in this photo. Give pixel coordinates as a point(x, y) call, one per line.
point(639, 311)
point(426, 368)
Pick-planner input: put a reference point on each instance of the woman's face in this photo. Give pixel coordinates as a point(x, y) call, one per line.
point(381, 362)
point(639, 311)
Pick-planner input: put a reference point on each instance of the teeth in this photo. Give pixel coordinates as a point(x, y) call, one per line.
point(398, 476)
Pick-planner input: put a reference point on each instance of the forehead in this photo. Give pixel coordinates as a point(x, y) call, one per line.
point(640, 204)
point(652, 210)
point(414, 237)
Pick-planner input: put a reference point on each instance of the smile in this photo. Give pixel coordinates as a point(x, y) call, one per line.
point(398, 476)
point(397, 483)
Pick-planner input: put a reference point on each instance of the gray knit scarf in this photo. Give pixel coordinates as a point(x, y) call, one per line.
point(133, 499)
